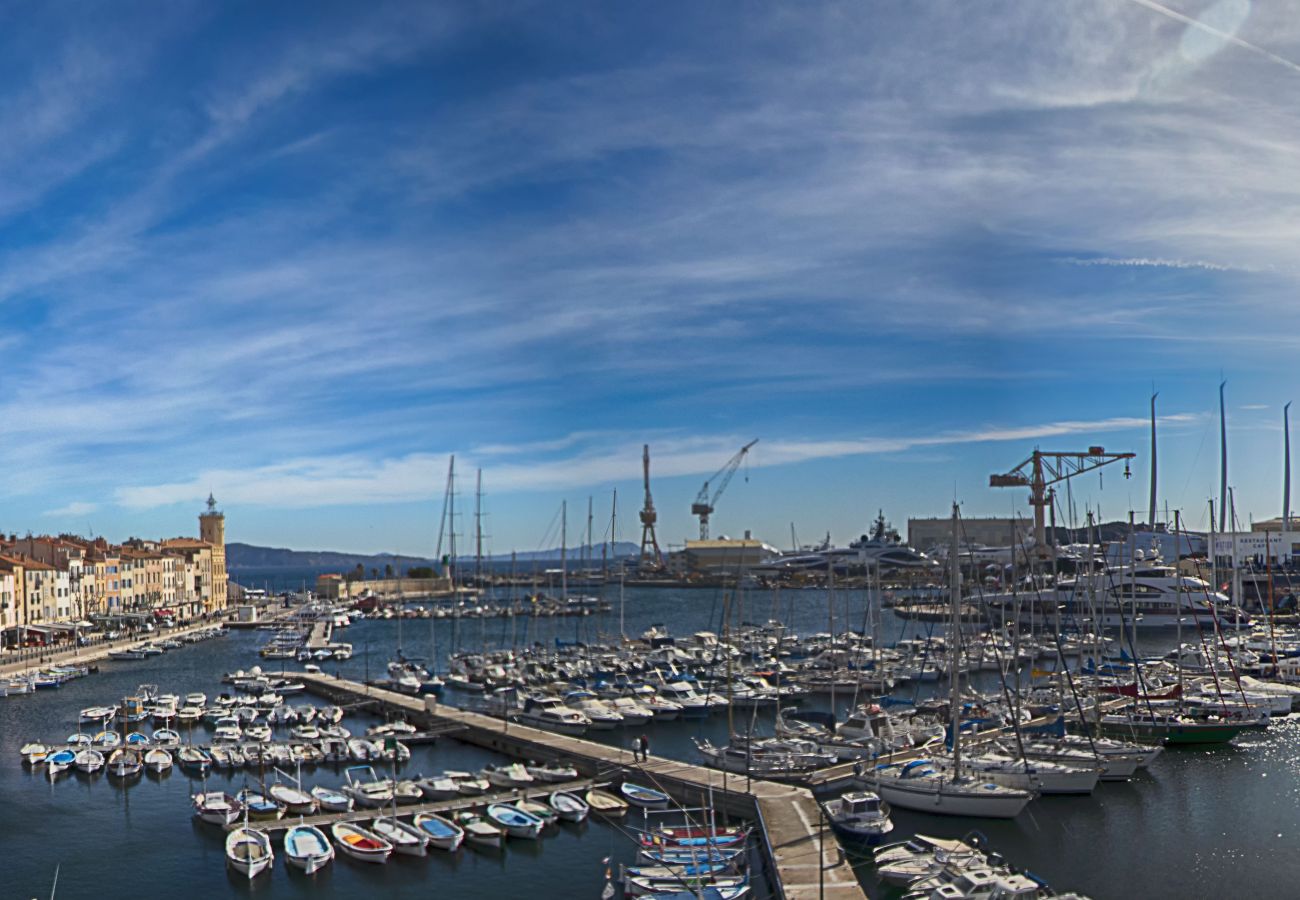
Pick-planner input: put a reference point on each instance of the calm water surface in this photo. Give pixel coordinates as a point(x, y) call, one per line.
point(1199, 823)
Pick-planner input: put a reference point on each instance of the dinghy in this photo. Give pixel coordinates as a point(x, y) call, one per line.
point(480, 832)
point(217, 808)
point(297, 802)
point(307, 848)
point(360, 844)
point(406, 839)
point(644, 797)
point(603, 803)
point(125, 762)
point(89, 760)
point(194, 759)
point(568, 807)
point(331, 801)
point(158, 760)
point(513, 775)
point(442, 833)
point(515, 821)
point(248, 851)
point(58, 763)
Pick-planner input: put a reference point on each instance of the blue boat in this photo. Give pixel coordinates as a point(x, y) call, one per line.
point(515, 821)
point(59, 762)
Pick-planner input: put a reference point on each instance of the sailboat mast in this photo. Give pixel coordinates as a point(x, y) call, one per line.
point(954, 703)
point(1223, 461)
point(451, 526)
point(478, 527)
point(586, 546)
point(564, 551)
point(1151, 510)
point(607, 548)
point(1286, 467)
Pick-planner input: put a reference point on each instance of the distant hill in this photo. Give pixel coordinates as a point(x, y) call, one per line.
point(248, 556)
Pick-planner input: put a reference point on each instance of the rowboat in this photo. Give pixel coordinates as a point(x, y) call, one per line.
point(515, 821)
point(298, 802)
point(34, 754)
point(441, 833)
point(603, 803)
point(93, 714)
point(307, 848)
point(259, 805)
point(158, 760)
point(554, 773)
point(194, 759)
point(360, 844)
point(728, 886)
point(536, 808)
point(107, 740)
point(406, 839)
point(568, 807)
point(330, 800)
point(125, 762)
point(644, 797)
point(480, 832)
point(248, 851)
point(217, 808)
point(89, 760)
point(58, 763)
point(509, 776)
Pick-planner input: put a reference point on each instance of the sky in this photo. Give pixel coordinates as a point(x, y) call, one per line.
point(297, 255)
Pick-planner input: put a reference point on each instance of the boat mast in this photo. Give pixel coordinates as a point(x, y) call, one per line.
point(1151, 510)
point(1223, 460)
point(564, 551)
point(954, 704)
point(478, 528)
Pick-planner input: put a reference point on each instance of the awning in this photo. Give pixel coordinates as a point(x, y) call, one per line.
point(64, 626)
point(40, 629)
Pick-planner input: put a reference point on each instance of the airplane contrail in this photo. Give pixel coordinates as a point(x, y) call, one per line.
point(1231, 38)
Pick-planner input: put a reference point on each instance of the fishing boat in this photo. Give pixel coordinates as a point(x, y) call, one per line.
point(89, 760)
point(166, 738)
point(297, 801)
point(728, 886)
point(107, 740)
point(568, 807)
point(441, 833)
point(603, 803)
point(515, 821)
point(307, 848)
point(479, 832)
point(513, 775)
point(541, 810)
point(406, 839)
point(248, 851)
point(331, 800)
point(194, 759)
point(34, 754)
point(217, 808)
point(644, 797)
point(369, 791)
point(92, 715)
point(553, 773)
point(860, 816)
point(59, 762)
point(125, 762)
point(158, 760)
point(360, 844)
point(259, 806)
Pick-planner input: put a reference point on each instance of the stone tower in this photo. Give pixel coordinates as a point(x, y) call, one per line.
point(212, 529)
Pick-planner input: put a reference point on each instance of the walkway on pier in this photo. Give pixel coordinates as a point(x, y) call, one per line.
point(804, 859)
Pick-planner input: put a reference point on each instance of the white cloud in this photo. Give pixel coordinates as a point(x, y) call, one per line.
point(73, 509)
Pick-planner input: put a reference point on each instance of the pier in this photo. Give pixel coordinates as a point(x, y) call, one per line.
point(802, 857)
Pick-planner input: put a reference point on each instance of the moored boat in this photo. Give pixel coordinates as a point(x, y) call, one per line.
point(644, 797)
point(515, 821)
point(360, 844)
point(248, 851)
point(441, 833)
point(307, 848)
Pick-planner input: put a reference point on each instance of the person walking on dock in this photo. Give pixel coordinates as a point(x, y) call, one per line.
point(643, 744)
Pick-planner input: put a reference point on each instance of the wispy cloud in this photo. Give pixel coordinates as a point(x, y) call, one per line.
point(1145, 263)
point(73, 510)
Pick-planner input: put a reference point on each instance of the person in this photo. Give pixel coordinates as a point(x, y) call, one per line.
point(644, 743)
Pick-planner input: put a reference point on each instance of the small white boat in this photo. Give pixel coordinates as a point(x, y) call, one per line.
point(59, 762)
point(125, 762)
point(644, 797)
point(515, 821)
point(107, 740)
point(307, 848)
point(406, 839)
point(248, 851)
point(166, 738)
point(603, 803)
point(34, 754)
point(158, 760)
point(568, 807)
point(95, 714)
point(479, 831)
point(217, 808)
point(331, 800)
point(513, 775)
point(89, 760)
point(360, 844)
point(297, 801)
point(441, 833)
point(554, 773)
point(860, 816)
point(369, 791)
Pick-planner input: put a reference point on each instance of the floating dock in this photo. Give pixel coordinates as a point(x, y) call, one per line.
point(803, 859)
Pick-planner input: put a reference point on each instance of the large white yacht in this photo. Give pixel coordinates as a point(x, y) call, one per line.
point(882, 548)
point(1148, 594)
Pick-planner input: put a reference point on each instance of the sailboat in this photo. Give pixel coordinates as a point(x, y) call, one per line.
point(921, 785)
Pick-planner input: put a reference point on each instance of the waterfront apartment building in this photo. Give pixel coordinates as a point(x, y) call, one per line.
point(52, 586)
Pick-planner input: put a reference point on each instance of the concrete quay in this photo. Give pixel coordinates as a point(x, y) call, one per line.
point(802, 857)
point(97, 652)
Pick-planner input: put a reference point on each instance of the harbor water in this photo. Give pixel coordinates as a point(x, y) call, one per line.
point(1198, 823)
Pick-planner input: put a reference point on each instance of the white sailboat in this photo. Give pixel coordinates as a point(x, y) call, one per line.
point(922, 785)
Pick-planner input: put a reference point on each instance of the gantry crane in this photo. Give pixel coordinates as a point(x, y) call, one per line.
point(651, 557)
point(1047, 469)
point(704, 503)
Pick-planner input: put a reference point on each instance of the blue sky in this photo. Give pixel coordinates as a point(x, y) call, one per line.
point(298, 254)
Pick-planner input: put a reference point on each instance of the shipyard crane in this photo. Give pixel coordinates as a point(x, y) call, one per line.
point(651, 557)
point(704, 502)
point(1042, 470)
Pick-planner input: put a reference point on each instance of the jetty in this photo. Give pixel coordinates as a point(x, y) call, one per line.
point(801, 856)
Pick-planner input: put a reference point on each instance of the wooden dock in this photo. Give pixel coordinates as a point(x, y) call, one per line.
point(802, 857)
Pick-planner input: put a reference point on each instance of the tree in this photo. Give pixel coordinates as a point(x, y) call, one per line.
point(420, 572)
point(388, 571)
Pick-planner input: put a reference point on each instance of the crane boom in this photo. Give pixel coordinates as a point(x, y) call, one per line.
point(1042, 470)
point(704, 502)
